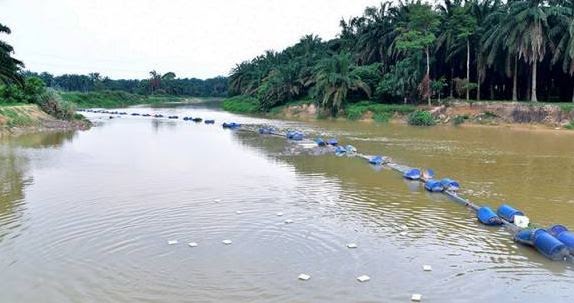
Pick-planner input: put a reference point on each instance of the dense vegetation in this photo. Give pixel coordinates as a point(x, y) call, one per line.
point(157, 84)
point(16, 89)
point(113, 99)
point(413, 52)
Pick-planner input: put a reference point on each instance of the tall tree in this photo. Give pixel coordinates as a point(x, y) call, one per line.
point(418, 34)
point(9, 66)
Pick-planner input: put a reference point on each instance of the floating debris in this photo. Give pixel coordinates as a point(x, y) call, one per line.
point(226, 242)
point(239, 212)
point(288, 221)
point(403, 233)
point(416, 297)
point(363, 278)
point(304, 277)
point(427, 268)
point(172, 242)
point(217, 200)
point(192, 244)
point(279, 214)
point(351, 245)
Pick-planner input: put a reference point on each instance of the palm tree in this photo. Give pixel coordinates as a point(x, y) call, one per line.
point(564, 33)
point(334, 80)
point(528, 31)
point(9, 67)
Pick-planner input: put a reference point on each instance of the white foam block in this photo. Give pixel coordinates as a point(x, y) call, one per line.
point(427, 268)
point(279, 214)
point(239, 212)
point(217, 200)
point(403, 233)
point(288, 221)
point(304, 277)
point(416, 297)
point(192, 244)
point(363, 278)
point(226, 242)
point(172, 242)
point(351, 245)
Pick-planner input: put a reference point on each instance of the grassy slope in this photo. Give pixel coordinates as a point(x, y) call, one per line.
point(23, 115)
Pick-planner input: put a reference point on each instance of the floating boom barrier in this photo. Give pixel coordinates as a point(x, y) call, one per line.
point(555, 242)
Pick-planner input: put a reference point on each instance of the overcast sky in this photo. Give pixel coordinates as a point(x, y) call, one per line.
point(193, 38)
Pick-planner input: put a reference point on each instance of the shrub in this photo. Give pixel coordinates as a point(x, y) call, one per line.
point(570, 125)
point(421, 118)
point(51, 102)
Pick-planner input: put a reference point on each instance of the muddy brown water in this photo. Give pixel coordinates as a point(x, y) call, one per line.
point(86, 216)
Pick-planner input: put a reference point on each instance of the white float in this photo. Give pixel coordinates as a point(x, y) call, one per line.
point(363, 278)
point(427, 268)
point(416, 297)
point(226, 242)
point(192, 244)
point(351, 245)
point(172, 242)
point(304, 277)
point(288, 221)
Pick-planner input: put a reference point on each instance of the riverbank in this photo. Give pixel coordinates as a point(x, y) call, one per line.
point(28, 118)
point(491, 113)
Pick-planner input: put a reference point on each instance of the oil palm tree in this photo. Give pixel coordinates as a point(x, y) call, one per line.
point(333, 81)
point(563, 32)
point(528, 33)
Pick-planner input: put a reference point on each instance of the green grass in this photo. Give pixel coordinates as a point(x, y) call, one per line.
point(381, 112)
point(241, 104)
point(15, 118)
point(113, 99)
point(570, 125)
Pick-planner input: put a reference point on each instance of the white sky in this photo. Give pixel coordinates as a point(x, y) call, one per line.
point(193, 38)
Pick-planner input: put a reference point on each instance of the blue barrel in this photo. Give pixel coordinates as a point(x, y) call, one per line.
point(450, 184)
point(340, 150)
point(434, 186)
point(525, 236)
point(565, 236)
point(320, 142)
point(231, 125)
point(376, 160)
point(549, 246)
point(297, 136)
point(412, 174)
point(265, 130)
point(487, 217)
point(209, 122)
point(333, 142)
point(507, 212)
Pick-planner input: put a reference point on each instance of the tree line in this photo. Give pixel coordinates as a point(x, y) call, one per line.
point(413, 52)
point(156, 84)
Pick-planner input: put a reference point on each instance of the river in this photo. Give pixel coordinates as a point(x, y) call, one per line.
point(87, 216)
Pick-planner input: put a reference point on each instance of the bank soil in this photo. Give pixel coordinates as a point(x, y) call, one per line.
point(20, 119)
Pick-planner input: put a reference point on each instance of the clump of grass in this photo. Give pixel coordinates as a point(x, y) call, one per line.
point(53, 104)
point(382, 117)
point(569, 125)
point(241, 104)
point(566, 107)
point(382, 112)
point(421, 118)
point(458, 120)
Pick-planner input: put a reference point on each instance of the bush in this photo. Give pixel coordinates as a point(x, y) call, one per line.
point(51, 102)
point(241, 104)
point(570, 125)
point(421, 118)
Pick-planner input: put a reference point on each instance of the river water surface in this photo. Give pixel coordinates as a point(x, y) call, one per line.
point(87, 216)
